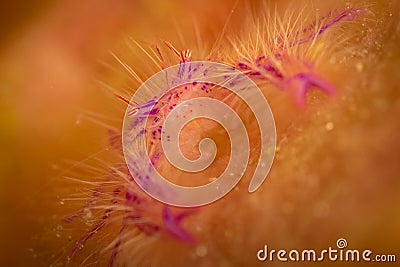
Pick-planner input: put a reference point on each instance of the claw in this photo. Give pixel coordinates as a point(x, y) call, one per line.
point(301, 83)
point(172, 223)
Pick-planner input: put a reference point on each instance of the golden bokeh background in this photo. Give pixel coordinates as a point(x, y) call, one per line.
point(49, 63)
point(51, 56)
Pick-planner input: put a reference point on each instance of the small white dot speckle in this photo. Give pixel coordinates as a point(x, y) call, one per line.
point(201, 251)
point(329, 126)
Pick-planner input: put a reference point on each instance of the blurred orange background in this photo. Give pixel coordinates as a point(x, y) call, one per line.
point(51, 56)
point(49, 61)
